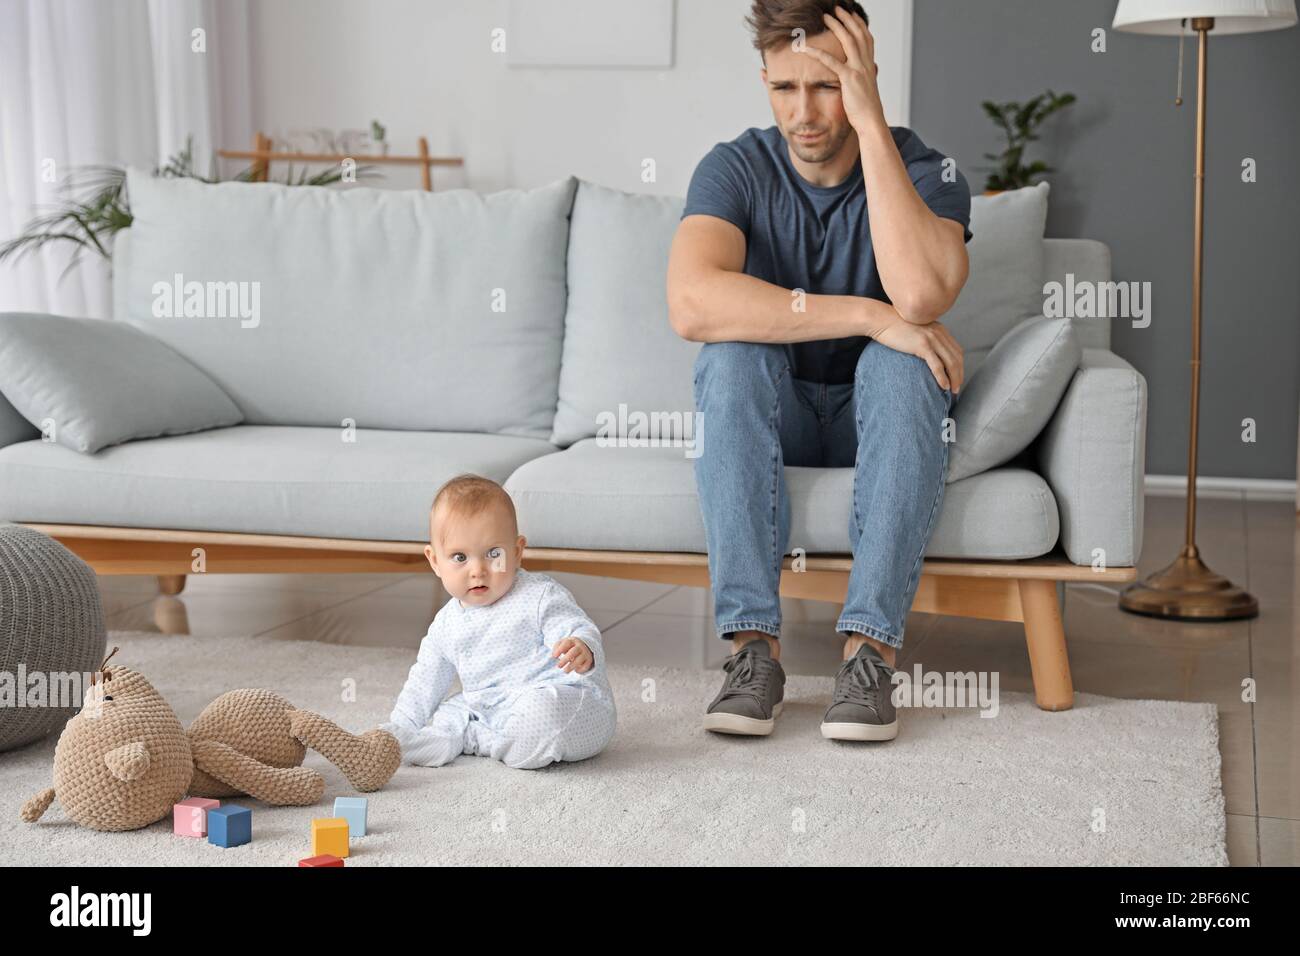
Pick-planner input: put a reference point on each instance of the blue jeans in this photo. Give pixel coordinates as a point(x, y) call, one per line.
point(887, 426)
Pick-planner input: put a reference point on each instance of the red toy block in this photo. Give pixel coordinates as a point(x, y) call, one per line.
point(323, 860)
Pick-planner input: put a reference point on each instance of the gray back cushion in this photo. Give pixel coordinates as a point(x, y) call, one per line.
point(1088, 261)
point(395, 309)
point(1006, 267)
point(618, 344)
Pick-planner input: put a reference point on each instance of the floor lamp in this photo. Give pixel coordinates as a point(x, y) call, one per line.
point(1187, 589)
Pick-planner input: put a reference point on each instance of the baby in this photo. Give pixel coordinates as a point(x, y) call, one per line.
point(530, 661)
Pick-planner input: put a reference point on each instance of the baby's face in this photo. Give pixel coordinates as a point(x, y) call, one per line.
point(477, 557)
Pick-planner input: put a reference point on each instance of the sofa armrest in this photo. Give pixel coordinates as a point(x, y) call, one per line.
point(1093, 456)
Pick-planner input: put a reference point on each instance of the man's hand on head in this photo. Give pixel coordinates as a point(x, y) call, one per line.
point(857, 72)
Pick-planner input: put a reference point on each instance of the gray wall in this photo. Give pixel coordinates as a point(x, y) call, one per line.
point(1124, 155)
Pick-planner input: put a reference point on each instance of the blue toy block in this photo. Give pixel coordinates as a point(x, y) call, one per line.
point(352, 809)
point(230, 826)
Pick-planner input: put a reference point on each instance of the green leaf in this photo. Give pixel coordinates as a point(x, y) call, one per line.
point(1027, 111)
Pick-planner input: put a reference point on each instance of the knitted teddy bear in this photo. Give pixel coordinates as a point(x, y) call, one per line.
point(124, 760)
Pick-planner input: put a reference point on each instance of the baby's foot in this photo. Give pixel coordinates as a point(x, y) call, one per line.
point(424, 748)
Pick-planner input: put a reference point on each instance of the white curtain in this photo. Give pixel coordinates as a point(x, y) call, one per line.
point(106, 82)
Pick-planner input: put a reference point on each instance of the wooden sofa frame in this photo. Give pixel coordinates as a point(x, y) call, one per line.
point(1022, 591)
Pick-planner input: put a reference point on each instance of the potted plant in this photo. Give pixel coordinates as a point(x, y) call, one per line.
point(1018, 122)
point(378, 134)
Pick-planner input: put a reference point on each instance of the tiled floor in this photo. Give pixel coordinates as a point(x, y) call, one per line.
point(1111, 652)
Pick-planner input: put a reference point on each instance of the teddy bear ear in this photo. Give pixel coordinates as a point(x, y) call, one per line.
point(104, 668)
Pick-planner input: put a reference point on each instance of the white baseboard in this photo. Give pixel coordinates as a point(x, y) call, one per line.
point(1254, 489)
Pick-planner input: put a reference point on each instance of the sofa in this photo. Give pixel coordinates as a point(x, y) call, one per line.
point(374, 343)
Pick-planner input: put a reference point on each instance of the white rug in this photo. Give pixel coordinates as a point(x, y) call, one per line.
point(1023, 788)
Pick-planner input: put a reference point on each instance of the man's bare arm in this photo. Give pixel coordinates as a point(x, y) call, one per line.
point(921, 257)
point(711, 300)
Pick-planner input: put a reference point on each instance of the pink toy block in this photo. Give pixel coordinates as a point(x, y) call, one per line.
point(190, 816)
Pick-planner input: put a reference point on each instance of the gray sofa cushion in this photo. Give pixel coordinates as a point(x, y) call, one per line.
point(1007, 402)
point(1006, 267)
point(1088, 261)
point(379, 306)
point(618, 344)
point(256, 479)
point(94, 382)
point(1085, 259)
point(644, 499)
point(13, 427)
point(1093, 455)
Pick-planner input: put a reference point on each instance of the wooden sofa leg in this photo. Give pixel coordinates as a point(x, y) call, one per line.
point(1045, 635)
point(170, 615)
point(171, 583)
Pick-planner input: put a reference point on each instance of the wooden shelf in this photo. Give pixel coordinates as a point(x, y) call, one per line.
point(263, 155)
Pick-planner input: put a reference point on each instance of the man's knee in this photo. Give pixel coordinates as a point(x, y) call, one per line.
point(880, 363)
point(738, 367)
point(885, 371)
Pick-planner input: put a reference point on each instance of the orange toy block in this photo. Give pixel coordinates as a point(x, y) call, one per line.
point(329, 837)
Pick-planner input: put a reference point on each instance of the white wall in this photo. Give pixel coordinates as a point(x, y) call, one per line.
point(427, 68)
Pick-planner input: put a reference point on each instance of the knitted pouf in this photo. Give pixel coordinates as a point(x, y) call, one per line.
point(51, 631)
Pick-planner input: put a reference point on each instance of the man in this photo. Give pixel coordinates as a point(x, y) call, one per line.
point(814, 259)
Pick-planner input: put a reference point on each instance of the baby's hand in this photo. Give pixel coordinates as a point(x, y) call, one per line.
point(573, 655)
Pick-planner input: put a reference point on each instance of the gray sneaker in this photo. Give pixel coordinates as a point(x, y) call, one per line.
point(751, 696)
point(862, 707)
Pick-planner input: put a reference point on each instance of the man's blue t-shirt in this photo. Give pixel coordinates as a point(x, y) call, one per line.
point(815, 238)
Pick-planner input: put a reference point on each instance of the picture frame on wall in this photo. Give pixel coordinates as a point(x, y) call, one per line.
point(541, 33)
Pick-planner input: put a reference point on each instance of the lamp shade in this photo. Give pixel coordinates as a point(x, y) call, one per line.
point(1230, 16)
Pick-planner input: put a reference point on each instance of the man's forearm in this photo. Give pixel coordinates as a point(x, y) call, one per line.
point(921, 261)
point(735, 307)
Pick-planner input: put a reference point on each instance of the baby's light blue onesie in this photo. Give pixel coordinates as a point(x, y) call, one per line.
point(516, 705)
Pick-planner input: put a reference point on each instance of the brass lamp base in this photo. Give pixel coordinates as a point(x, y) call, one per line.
point(1188, 591)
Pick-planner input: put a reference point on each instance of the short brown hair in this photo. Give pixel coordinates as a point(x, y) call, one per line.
point(774, 21)
point(467, 495)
